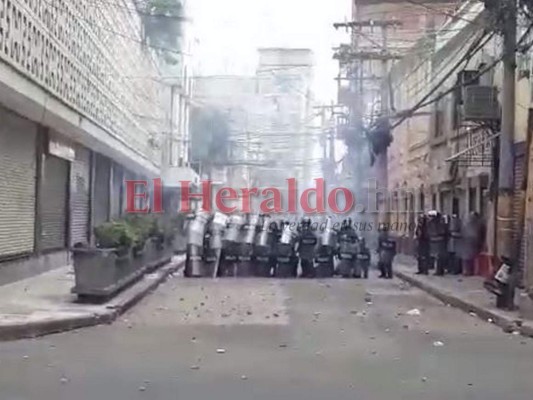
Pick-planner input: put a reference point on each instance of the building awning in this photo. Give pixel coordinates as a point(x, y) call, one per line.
point(478, 152)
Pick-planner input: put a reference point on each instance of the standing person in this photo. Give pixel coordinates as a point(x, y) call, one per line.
point(454, 242)
point(306, 248)
point(363, 258)
point(387, 252)
point(437, 241)
point(422, 245)
point(473, 239)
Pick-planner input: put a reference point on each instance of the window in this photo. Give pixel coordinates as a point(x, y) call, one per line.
point(472, 200)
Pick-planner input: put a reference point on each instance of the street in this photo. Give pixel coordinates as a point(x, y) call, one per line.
point(275, 339)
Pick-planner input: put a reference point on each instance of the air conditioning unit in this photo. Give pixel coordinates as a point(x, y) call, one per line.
point(480, 103)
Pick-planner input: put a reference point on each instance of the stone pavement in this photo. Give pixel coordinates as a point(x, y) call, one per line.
point(44, 303)
point(465, 293)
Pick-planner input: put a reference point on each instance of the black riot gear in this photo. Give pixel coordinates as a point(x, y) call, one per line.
point(287, 261)
point(348, 249)
point(387, 252)
point(264, 247)
point(231, 246)
point(196, 233)
point(325, 250)
point(306, 249)
point(422, 245)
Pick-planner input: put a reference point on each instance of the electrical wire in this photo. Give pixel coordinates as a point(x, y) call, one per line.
point(425, 102)
point(449, 15)
point(422, 83)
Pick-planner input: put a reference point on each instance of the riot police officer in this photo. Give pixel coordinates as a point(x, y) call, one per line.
point(348, 249)
point(287, 261)
point(325, 250)
point(231, 246)
point(387, 252)
point(363, 258)
point(306, 248)
point(247, 239)
point(196, 236)
point(454, 242)
point(263, 248)
point(213, 244)
point(437, 241)
point(422, 245)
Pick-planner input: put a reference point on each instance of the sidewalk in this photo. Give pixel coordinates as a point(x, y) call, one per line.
point(465, 293)
point(44, 304)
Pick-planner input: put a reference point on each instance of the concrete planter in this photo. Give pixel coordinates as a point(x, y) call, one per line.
point(156, 254)
point(101, 272)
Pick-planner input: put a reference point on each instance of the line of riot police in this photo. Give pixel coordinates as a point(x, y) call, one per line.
point(448, 245)
point(257, 245)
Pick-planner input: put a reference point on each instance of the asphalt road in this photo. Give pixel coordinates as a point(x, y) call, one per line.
point(275, 339)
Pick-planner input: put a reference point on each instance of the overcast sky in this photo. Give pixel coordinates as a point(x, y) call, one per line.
point(230, 31)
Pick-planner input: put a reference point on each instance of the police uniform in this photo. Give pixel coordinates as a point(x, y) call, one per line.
point(363, 259)
point(387, 252)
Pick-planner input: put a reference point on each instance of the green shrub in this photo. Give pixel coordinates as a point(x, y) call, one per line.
point(115, 235)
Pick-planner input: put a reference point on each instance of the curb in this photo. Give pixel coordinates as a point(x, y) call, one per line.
point(139, 290)
point(507, 324)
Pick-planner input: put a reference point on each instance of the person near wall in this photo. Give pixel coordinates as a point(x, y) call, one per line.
point(473, 238)
point(437, 241)
point(454, 241)
point(386, 253)
point(422, 245)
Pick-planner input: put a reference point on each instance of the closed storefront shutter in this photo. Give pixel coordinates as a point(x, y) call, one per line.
point(54, 203)
point(519, 200)
point(80, 181)
point(116, 195)
point(101, 189)
point(17, 184)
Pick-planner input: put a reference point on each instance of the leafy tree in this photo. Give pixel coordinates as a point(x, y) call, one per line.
point(209, 136)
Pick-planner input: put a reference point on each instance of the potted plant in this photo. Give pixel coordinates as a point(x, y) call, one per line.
point(160, 235)
point(141, 225)
point(106, 268)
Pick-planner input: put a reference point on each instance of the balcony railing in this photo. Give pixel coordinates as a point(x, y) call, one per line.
point(90, 55)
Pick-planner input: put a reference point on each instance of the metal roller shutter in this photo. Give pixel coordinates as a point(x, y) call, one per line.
point(102, 171)
point(518, 201)
point(54, 203)
point(17, 184)
point(116, 194)
point(80, 181)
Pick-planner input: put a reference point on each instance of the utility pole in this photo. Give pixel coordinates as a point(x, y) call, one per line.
point(504, 221)
point(170, 137)
point(358, 57)
point(382, 161)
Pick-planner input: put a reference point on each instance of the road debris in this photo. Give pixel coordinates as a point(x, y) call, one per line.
point(414, 312)
point(195, 367)
point(221, 351)
point(438, 344)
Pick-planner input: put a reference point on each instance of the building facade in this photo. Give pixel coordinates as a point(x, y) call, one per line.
point(441, 158)
point(82, 110)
